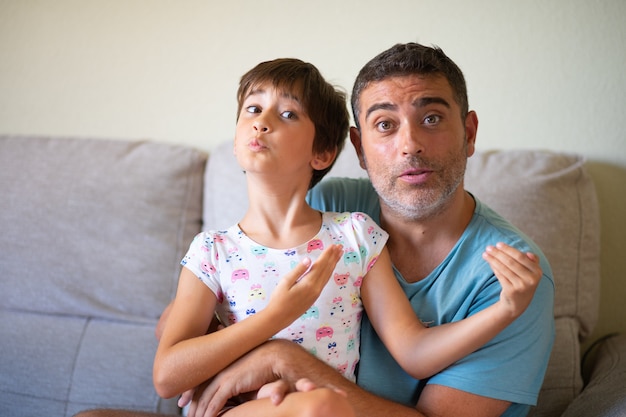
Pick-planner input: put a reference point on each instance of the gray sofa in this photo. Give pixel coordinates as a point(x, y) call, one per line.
point(92, 230)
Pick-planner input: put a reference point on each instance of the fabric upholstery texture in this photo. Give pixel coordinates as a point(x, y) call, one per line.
point(92, 235)
point(604, 394)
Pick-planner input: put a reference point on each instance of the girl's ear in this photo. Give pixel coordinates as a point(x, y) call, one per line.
point(323, 160)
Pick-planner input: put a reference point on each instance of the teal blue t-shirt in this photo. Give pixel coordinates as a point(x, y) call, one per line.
point(511, 367)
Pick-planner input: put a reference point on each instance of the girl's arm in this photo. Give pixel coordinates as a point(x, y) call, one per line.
point(186, 356)
point(422, 351)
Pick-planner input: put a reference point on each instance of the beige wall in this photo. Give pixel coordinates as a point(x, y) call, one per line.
point(541, 74)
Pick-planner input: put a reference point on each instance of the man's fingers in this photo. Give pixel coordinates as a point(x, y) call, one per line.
point(275, 391)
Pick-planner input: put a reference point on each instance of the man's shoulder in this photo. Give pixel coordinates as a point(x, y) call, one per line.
point(344, 194)
point(493, 228)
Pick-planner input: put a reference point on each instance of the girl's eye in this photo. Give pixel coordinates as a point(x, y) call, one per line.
point(289, 115)
point(253, 109)
point(432, 119)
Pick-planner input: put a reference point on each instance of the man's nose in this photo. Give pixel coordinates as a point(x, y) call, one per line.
point(410, 140)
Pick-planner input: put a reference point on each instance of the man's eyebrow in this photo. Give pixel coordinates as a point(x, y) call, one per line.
point(379, 106)
point(420, 102)
point(425, 101)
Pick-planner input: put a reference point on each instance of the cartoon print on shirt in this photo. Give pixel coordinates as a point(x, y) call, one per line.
point(374, 234)
point(358, 282)
point(324, 331)
point(342, 218)
point(231, 297)
point(359, 217)
point(240, 274)
point(350, 255)
point(315, 244)
point(297, 334)
point(207, 267)
point(341, 279)
point(259, 251)
point(355, 299)
point(371, 263)
point(337, 306)
point(312, 313)
point(270, 270)
point(233, 254)
point(256, 292)
point(346, 322)
point(332, 351)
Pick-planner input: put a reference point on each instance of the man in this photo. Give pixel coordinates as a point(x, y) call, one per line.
point(413, 135)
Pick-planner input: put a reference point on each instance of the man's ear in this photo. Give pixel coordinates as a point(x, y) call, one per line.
point(471, 128)
point(323, 160)
point(355, 138)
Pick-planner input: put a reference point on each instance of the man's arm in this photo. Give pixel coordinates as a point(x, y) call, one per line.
point(439, 400)
point(280, 359)
point(435, 400)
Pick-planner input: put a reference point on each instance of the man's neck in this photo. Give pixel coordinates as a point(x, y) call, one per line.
point(417, 246)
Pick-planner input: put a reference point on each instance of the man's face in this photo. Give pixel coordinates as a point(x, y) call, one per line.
point(414, 143)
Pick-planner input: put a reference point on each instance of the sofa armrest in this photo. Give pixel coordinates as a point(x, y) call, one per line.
point(605, 392)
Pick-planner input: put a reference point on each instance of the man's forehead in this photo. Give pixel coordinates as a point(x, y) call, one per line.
point(408, 84)
point(416, 90)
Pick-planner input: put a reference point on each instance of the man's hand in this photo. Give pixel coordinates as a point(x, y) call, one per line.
point(277, 390)
point(251, 373)
point(247, 374)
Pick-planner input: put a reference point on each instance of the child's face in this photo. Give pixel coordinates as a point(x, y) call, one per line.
point(274, 134)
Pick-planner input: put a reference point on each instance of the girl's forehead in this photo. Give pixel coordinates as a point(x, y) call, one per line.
point(286, 88)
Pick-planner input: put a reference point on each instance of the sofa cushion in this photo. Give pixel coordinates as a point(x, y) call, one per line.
point(92, 235)
point(604, 394)
point(59, 365)
point(95, 227)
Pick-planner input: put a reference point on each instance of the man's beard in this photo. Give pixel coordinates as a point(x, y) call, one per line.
point(421, 202)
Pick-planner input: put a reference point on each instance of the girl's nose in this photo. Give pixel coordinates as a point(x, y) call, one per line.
point(261, 126)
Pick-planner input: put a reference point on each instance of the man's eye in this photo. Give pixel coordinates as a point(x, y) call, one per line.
point(383, 126)
point(289, 115)
point(432, 119)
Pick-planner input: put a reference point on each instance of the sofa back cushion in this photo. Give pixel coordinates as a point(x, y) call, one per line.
point(95, 227)
point(92, 235)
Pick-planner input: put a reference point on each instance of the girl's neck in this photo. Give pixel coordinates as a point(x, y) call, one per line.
point(279, 218)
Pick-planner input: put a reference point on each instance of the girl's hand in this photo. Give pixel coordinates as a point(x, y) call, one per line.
point(299, 289)
point(518, 273)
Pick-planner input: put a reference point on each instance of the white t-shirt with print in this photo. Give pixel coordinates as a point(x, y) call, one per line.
point(243, 273)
